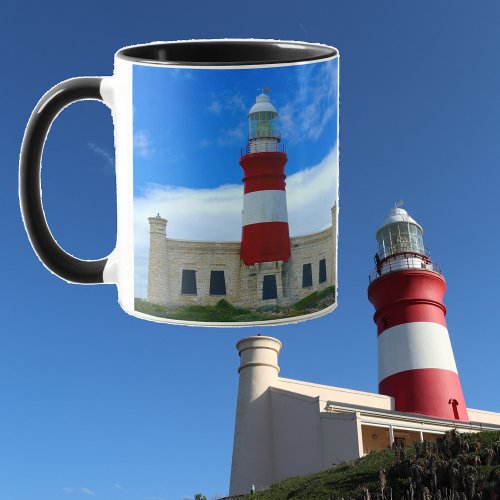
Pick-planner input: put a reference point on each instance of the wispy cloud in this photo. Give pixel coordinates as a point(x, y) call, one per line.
point(231, 136)
point(215, 107)
point(215, 214)
point(108, 157)
point(313, 105)
point(84, 491)
point(227, 101)
point(142, 144)
point(205, 143)
point(119, 486)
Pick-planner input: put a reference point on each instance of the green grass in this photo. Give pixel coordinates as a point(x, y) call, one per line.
point(313, 300)
point(223, 311)
point(349, 480)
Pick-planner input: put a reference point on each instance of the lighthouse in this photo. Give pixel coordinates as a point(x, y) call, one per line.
point(415, 358)
point(265, 235)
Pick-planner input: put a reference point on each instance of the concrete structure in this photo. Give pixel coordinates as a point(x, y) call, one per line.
point(267, 267)
point(416, 362)
point(290, 428)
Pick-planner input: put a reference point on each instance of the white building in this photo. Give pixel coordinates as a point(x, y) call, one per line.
point(288, 427)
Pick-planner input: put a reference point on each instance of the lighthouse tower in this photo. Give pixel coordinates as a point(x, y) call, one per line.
point(265, 236)
point(415, 357)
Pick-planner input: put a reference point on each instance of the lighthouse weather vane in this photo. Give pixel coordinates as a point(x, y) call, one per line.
point(264, 89)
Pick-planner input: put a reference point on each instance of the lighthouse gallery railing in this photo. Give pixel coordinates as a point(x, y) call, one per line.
point(403, 262)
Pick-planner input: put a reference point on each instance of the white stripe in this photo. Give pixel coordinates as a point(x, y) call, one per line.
point(264, 206)
point(411, 346)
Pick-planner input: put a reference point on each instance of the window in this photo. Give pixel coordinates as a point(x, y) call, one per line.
point(269, 289)
point(188, 282)
point(307, 277)
point(217, 283)
point(322, 270)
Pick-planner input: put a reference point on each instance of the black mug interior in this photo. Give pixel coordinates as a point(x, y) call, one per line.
point(226, 52)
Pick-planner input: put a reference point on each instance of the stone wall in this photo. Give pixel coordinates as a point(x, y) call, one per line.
point(244, 284)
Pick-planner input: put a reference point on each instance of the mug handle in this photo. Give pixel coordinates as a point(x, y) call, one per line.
point(30, 195)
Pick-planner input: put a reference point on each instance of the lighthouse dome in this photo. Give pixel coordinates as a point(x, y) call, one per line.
point(262, 103)
point(398, 214)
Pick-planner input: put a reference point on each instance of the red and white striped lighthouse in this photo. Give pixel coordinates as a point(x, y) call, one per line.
point(415, 357)
point(265, 236)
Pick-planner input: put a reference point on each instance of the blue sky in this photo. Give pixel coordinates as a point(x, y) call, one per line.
point(91, 398)
point(189, 128)
point(190, 124)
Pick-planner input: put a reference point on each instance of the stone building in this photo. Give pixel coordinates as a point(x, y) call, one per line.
point(184, 272)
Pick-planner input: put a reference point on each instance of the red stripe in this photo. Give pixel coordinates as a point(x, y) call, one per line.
point(264, 171)
point(426, 391)
point(406, 297)
point(265, 242)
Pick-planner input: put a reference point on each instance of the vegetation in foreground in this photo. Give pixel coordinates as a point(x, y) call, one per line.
point(455, 467)
point(223, 311)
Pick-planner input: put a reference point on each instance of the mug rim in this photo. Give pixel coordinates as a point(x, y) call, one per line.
point(293, 52)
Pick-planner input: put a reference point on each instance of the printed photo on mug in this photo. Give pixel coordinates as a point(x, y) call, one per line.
point(235, 178)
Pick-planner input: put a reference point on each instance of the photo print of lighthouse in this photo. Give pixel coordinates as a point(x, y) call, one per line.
point(236, 192)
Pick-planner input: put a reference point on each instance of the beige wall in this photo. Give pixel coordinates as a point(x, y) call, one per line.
point(340, 438)
point(375, 438)
point(485, 417)
point(337, 394)
point(296, 433)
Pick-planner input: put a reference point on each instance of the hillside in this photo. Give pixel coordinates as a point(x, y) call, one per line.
point(456, 466)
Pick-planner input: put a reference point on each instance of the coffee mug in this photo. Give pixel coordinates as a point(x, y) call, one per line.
point(206, 132)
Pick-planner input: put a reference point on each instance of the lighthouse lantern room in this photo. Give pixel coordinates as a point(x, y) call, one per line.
point(263, 133)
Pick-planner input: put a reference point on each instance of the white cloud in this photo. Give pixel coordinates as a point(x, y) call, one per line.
point(228, 102)
point(313, 105)
point(84, 491)
point(142, 144)
point(232, 136)
point(103, 153)
point(215, 107)
point(205, 143)
point(215, 214)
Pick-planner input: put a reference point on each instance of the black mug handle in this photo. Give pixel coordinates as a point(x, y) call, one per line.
point(30, 196)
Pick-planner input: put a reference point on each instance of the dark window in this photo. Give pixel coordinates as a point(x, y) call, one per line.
point(322, 270)
point(188, 282)
point(269, 290)
point(399, 441)
point(307, 276)
point(217, 283)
